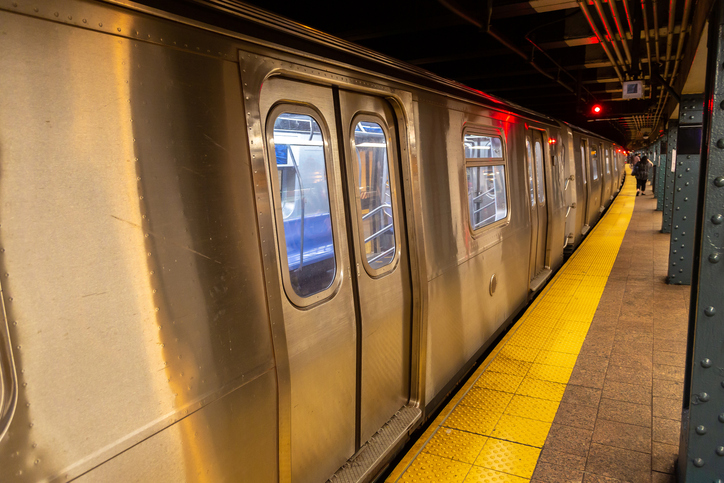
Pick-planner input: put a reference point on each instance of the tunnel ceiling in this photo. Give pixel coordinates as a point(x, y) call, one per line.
point(558, 57)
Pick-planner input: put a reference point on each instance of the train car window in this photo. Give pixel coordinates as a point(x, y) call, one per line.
point(594, 162)
point(615, 160)
point(531, 186)
point(375, 198)
point(304, 201)
point(539, 174)
point(486, 195)
point(478, 146)
point(485, 173)
point(583, 162)
point(608, 163)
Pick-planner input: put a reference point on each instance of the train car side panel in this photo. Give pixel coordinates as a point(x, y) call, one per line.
point(134, 288)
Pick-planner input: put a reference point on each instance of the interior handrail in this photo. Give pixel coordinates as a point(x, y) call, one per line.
point(383, 254)
point(483, 194)
point(378, 233)
point(376, 210)
point(483, 207)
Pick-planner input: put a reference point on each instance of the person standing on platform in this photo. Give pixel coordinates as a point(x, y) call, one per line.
point(640, 171)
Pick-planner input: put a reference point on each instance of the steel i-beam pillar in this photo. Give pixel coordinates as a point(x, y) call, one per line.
point(701, 448)
point(686, 185)
point(661, 177)
point(670, 175)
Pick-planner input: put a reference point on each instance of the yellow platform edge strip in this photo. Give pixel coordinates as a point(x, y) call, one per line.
point(493, 429)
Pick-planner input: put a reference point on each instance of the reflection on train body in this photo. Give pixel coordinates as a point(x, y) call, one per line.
point(236, 249)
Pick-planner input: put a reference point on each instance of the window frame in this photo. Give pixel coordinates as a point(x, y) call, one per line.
point(530, 179)
point(540, 177)
point(594, 161)
point(329, 161)
point(584, 160)
point(391, 158)
point(483, 162)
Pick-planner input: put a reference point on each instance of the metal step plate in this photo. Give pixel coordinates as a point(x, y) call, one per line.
point(361, 466)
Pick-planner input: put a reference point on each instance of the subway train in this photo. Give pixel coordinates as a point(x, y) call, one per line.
point(235, 248)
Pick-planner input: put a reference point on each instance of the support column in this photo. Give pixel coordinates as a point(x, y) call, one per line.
point(661, 178)
point(686, 186)
point(656, 170)
point(670, 175)
point(701, 449)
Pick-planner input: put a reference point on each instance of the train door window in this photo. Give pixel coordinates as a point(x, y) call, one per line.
point(531, 184)
point(374, 195)
point(594, 162)
point(608, 163)
point(615, 162)
point(485, 172)
point(583, 162)
point(303, 200)
point(539, 174)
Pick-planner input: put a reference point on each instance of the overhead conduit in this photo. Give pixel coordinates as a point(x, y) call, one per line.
point(507, 43)
point(601, 39)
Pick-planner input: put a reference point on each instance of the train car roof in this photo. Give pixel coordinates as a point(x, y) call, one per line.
point(253, 22)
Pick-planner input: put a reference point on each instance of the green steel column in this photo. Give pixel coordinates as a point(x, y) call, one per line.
point(655, 170)
point(670, 175)
point(686, 184)
point(701, 448)
point(661, 178)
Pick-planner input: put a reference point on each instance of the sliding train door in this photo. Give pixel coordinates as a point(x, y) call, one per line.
point(341, 243)
point(370, 135)
point(595, 187)
point(584, 176)
point(535, 152)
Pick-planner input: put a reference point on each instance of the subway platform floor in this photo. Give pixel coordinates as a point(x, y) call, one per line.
point(587, 386)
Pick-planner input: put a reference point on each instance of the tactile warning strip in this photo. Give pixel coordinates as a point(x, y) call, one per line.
point(494, 428)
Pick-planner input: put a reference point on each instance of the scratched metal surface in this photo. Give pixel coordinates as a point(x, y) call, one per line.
point(131, 266)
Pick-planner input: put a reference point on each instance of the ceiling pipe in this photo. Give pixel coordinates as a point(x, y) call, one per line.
point(503, 40)
point(500, 38)
point(646, 34)
point(628, 16)
point(621, 31)
point(554, 62)
point(656, 30)
point(609, 32)
point(670, 35)
point(601, 40)
point(682, 36)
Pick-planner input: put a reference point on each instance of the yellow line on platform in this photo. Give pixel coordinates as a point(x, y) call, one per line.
point(495, 426)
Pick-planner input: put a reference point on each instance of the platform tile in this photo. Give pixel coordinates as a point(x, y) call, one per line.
point(552, 391)
point(507, 365)
point(499, 382)
point(535, 342)
point(508, 457)
point(472, 420)
point(553, 358)
point(479, 474)
point(435, 469)
point(456, 445)
point(532, 408)
point(550, 373)
point(487, 399)
point(533, 330)
point(521, 430)
point(526, 354)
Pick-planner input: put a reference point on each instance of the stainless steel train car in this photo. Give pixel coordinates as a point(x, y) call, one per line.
point(234, 248)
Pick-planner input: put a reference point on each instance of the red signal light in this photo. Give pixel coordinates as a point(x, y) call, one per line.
point(596, 109)
point(551, 141)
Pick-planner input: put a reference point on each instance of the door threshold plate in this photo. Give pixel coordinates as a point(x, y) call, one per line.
point(540, 279)
point(360, 467)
